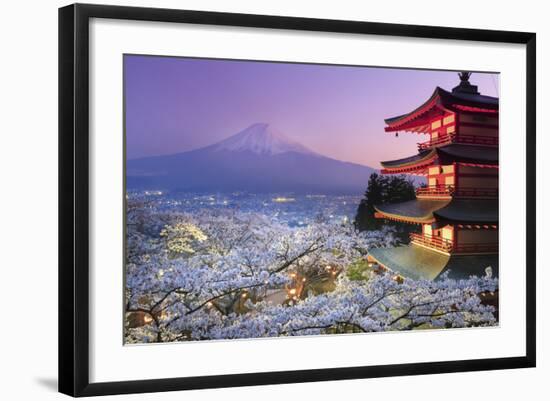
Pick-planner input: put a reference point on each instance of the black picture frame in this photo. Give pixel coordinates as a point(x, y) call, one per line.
point(74, 201)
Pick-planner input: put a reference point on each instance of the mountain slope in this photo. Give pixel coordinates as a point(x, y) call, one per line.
point(262, 139)
point(257, 159)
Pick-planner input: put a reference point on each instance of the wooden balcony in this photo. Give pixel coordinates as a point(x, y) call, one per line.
point(435, 191)
point(460, 139)
point(438, 243)
point(447, 191)
point(440, 140)
point(447, 246)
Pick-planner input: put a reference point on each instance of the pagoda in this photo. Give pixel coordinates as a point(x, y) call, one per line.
point(458, 208)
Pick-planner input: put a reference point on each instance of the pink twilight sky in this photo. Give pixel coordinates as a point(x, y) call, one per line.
point(178, 104)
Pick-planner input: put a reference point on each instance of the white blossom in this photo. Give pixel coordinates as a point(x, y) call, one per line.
point(207, 276)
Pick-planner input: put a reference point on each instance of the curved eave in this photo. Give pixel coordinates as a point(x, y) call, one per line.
point(416, 211)
point(407, 162)
point(442, 100)
point(421, 170)
point(419, 263)
point(476, 155)
point(413, 262)
point(475, 101)
point(480, 165)
point(398, 121)
point(460, 108)
point(487, 155)
point(470, 211)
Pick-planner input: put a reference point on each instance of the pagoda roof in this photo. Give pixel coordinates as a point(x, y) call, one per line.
point(475, 154)
point(417, 263)
point(453, 210)
point(422, 156)
point(439, 102)
point(456, 152)
point(470, 211)
point(413, 211)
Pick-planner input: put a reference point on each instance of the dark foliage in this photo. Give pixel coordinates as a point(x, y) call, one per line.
point(380, 190)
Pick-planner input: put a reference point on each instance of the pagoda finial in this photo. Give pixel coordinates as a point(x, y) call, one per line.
point(465, 86)
point(464, 76)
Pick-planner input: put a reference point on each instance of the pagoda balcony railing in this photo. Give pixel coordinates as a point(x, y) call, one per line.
point(448, 246)
point(439, 243)
point(459, 138)
point(440, 140)
point(435, 191)
point(445, 191)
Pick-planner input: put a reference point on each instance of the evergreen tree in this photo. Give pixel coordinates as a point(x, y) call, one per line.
point(399, 189)
point(364, 219)
point(380, 190)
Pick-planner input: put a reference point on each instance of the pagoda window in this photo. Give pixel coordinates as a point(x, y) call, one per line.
point(439, 174)
point(427, 229)
point(436, 124)
point(447, 233)
point(449, 119)
point(440, 182)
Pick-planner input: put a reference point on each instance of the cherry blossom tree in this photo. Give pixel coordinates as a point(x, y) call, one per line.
point(209, 275)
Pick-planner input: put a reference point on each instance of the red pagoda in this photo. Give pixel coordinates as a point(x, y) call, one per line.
point(458, 208)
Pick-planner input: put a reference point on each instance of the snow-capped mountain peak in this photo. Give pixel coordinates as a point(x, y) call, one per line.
point(261, 138)
point(256, 160)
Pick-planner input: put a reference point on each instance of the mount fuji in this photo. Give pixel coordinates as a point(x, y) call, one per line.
point(258, 159)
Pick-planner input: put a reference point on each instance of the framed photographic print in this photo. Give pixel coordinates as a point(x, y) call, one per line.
point(249, 199)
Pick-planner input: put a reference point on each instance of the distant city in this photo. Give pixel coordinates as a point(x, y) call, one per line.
point(290, 209)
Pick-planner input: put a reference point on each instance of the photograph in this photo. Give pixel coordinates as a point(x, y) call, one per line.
point(249, 200)
point(281, 199)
